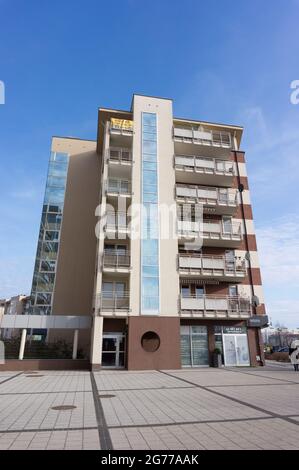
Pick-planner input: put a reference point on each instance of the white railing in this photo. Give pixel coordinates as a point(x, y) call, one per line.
point(207, 195)
point(111, 301)
point(120, 187)
point(121, 126)
point(211, 166)
point(204, 137)
point(230, 305)
point(215, 230)
point(213, 265)
point(116, 260)
point(116, 221)
point(119, 155)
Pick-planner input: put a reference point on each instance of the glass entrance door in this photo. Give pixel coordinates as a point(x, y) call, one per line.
point(236, 350)
point(113, 350)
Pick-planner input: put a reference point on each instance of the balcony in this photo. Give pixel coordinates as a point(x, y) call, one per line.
point(211, 267)
point(214, 233)
point(216, 200)
point(110, 303)
point(215, 306)
point(116, 262)
point(117, 187)
point(121, 127)
point(199, 170)
point(116, 223)
point(206, 141)
point(119, 156)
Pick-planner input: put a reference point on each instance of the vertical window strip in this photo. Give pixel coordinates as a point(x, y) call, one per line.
point(150, 282)
point(49, 235)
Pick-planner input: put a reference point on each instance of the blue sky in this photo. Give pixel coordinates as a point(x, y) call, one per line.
point(226, 61)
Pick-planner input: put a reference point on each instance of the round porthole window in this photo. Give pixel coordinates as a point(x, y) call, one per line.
point(150, 341)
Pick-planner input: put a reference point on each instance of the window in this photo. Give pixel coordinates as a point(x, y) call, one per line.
point(233, 290)
point(227, 224)
point(185, 291)
point(149, 219)
point(199, 291)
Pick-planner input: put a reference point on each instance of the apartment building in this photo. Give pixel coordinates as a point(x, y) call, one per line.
point(148, 231)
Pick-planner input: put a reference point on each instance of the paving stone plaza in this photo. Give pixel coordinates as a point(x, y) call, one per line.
point(229, 408)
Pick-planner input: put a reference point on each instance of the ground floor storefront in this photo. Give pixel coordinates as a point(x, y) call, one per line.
point(171, 343)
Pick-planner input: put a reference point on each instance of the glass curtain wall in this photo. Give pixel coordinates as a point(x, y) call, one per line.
point(49, 233)
point(150, 303)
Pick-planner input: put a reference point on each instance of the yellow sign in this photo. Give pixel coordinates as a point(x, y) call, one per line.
point(124, 124)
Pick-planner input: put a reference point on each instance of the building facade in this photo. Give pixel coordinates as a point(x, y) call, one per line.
point(149, 231)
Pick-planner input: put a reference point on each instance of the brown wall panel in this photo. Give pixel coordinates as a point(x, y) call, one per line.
point(168, 354)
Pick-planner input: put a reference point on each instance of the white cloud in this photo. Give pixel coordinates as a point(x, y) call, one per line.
point(278, 244)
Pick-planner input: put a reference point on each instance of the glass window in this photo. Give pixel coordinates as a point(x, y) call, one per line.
point(150, 286)
point(150, 271)
point(52, 235)
point(232, 290)
point(59, 157)
point(47, 265)
point(57, 169)
point(185, 291)
point(150, 197)
point(43, 299)
point(152, 166)
point(54, 195)
point(199, 291)
point(149, 146)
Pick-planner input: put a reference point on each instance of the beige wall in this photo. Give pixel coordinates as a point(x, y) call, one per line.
point(74, 281)
point(169, 279)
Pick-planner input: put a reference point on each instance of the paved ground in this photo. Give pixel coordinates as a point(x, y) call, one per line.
point(240, 408)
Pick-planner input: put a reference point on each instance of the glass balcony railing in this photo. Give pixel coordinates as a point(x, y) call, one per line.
point(114, 259)
point(113, 301)
point(204, 137)
point(208, 166)
point(120, 155)
point(212, 266)
point(219, 306)
point(210, 196)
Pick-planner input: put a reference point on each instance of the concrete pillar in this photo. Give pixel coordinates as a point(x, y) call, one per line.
point(22, 344)
point(75, 344)
point(96, 342)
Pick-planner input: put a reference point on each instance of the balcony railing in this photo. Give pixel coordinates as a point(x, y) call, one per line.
point(120, 155)
point(116, 260)
point(113, 301)
point(203, 137)
point(211, 230)
point(219, 306)
point(121, 126)
point(118, 187)
point(207, 166)
point(116, 221)
point(209, 196)
point(211, 266)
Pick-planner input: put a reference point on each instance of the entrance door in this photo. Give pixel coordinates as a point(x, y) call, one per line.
point(113, 350)
point(235, 350)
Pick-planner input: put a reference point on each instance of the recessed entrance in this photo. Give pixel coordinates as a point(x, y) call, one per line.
point(113, 350)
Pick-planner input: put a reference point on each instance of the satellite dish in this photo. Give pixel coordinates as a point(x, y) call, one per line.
point(247, 255)
point(241, 187)
point(255, 300)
